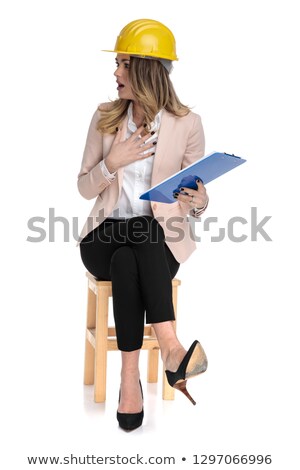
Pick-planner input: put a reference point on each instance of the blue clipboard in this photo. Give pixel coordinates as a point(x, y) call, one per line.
point(207, 169)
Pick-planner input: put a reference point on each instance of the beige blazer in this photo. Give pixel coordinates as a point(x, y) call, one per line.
point(180, 143)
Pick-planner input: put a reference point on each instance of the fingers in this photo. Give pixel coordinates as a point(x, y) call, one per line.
point(194, 192)
point(148, 136)
point(137, 133)
point(146, 155)
point(137, 137)
point(142, 147)
point(189, 192)
point(194, 196)
point(198, 201)
point(183, 197)
point(200, 189)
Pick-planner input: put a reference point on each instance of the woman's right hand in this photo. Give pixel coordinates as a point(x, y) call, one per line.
point(128, 151)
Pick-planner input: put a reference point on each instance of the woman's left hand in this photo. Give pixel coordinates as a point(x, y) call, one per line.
point(197, 198)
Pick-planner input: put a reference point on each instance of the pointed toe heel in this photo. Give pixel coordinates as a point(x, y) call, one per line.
point(193, 364)
point(131, 421)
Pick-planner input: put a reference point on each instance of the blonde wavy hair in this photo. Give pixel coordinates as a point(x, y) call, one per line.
point(153, 89)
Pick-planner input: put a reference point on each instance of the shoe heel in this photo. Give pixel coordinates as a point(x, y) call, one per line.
point(181, 386)
point(193, 363)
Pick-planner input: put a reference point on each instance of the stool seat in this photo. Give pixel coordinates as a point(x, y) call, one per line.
point(101, 338)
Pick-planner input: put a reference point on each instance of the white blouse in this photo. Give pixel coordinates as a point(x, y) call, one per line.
point(136, 176)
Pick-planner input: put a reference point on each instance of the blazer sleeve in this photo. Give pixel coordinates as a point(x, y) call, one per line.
point(91, 181)
point(195, 149)
point(195, 143)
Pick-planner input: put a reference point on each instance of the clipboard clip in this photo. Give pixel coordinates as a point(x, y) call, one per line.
point(231, 155)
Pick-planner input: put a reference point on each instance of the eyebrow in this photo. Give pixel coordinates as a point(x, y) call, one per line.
point(122, 60)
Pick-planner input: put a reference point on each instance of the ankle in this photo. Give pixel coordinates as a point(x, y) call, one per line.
point(170, 349)
point(130, 374)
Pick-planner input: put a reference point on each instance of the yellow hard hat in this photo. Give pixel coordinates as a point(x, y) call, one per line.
point(146, 38)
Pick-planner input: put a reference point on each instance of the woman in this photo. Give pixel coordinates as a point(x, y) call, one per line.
point(133, 143)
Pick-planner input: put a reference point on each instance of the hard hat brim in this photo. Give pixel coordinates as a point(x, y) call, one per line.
point(161, 56)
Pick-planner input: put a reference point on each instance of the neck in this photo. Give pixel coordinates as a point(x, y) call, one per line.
point(138, 114)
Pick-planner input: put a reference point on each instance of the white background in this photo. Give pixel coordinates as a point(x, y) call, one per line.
point(239, 69)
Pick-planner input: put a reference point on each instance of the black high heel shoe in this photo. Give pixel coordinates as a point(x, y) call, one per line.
point(130, 421)
point(193, 363)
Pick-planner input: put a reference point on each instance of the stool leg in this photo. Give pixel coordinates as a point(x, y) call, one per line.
point(101, 344)
point(168, 391)
point(153, 365)
point(89, 358)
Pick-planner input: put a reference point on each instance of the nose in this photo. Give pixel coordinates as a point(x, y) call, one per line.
point(117, 72)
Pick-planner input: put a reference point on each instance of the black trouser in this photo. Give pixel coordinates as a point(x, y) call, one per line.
point(132, 254)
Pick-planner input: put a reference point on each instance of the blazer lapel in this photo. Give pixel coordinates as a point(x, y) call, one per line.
point(123, 137)
point(165, 131)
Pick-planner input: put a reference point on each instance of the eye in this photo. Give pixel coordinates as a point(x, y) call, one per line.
point(127, 65)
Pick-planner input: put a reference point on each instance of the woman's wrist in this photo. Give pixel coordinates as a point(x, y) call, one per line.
point(201, 208)
point(107, 174)
point(112, 168)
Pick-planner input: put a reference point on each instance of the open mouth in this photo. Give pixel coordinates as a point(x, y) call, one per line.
point(120, 86)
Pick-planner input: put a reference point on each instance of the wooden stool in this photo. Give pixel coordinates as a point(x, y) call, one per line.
point(101, 338)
